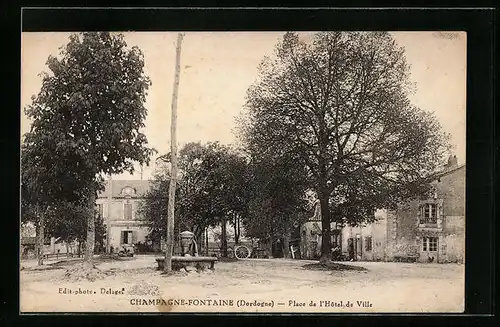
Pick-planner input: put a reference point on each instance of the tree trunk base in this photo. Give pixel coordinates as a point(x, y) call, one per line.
point(324, 259)
point(173, 273)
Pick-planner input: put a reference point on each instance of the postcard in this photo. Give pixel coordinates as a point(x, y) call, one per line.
point(242, 172)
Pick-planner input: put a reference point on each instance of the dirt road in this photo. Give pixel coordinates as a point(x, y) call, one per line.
point(258, 285)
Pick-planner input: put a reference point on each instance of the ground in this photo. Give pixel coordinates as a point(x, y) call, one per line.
point(263, 285)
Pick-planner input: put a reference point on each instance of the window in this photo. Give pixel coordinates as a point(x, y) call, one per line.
point(100, 210)
point(127, 211)
point(128, 191)
point(335, 238)
point(368, 243)
point(430, 244)
point(428, 213)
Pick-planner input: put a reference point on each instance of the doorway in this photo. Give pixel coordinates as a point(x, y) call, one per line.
point(126, 237)
point(359, 248)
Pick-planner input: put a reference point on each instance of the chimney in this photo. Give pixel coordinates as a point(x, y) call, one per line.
point(452, 162)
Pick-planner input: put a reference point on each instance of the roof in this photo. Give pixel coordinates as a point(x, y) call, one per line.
point(141, 187)
point(448, 171)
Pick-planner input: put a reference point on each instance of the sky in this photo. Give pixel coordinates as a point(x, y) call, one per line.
point(218, 67)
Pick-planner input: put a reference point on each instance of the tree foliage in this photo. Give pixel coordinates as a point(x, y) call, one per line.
point(277, 200)
point(93, 103)
point(338, 102)
point(88, 116)
point(211, 187)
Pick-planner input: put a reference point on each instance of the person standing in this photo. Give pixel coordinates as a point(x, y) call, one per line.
point(351, 250)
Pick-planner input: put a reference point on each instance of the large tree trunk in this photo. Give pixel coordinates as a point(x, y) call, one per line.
point(286, 242)
point(325, 226)
point(40, 237)
point(167, 267)
point(224, 238)
point(90, 244)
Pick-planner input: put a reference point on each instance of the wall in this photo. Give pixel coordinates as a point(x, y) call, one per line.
point(378, 233)
point(310, 243)
point(115, 220)
point(451, 188)
point(406, 229)
point(116, 209)
point(405, 235)
point(454, 239)
point(379, 236)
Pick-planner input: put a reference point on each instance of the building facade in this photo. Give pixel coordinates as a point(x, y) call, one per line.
point(433, 229)
point(428, 230)
point(366, 242)
point(118, 204)
point(310, 236)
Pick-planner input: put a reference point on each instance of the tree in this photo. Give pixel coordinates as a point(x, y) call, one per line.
point(278, 198)
point(68, 221)
point(210, 189)
point(339, 102)
point(153, 208)
point(91, 106)
point(45, 183)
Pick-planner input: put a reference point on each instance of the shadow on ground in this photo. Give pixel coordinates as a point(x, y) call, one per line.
point(332, 266)
point(68, 263)
point(102, 259)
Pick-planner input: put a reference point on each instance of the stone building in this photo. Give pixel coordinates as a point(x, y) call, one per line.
point(429, 230)
point(310, 235)
point(432, 229)
point(368, 240)
point(118, 204)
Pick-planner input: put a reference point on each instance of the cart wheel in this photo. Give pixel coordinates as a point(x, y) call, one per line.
point(242, 252)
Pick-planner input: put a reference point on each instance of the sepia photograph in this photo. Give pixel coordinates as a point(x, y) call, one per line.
point(243, 172)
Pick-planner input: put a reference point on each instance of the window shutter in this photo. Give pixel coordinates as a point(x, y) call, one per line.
point(127, 207)
point(134, 237)
point(121, 237)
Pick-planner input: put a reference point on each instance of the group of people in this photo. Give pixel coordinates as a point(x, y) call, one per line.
point(337, 252)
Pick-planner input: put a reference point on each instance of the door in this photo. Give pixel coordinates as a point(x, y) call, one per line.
point(430, 246)
point(351, 249)
point(359, 249)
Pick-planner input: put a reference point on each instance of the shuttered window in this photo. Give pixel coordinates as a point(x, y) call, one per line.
point(368, 243)
point(128, 237)
point(127, 211)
